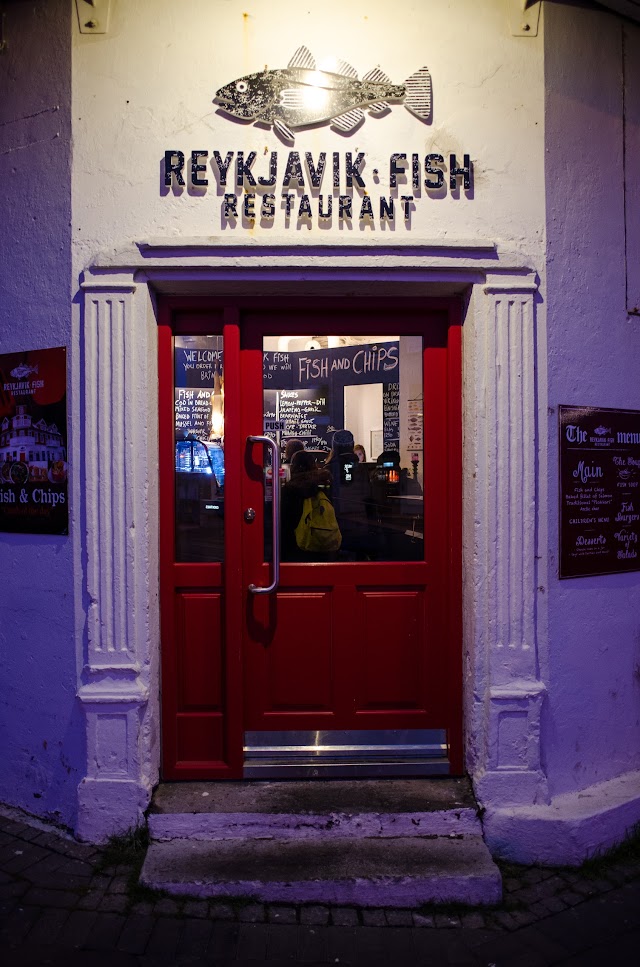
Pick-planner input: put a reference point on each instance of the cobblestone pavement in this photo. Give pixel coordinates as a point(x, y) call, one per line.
point(62, 904)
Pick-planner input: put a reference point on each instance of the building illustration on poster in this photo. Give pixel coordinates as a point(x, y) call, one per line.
point(33, 449)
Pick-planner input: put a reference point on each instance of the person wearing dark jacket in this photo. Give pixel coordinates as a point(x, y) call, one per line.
point(351, 497)
point(305, 481)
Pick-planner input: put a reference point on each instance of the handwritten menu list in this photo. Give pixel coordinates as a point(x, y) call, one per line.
point(391, 415)
point(301, 413)
point(599, 491)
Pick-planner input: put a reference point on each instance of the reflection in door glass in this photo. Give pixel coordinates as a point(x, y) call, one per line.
point(199, 448)
point(347, 413)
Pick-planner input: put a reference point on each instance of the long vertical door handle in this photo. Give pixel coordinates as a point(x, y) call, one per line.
point(275, 513)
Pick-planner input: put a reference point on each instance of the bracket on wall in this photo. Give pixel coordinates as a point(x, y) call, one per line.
point(93, 16)
point(524, 17)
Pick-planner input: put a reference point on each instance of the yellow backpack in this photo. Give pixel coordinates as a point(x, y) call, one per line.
point(318, 528)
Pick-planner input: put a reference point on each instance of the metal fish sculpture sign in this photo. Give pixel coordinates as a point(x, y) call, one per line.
point(301, 95)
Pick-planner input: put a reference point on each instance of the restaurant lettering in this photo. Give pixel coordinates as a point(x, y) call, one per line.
point(304, 187)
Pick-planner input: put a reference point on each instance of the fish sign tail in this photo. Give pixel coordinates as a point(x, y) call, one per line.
point(418, 96)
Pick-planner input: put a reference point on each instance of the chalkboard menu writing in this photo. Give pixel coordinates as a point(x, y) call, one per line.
point(301, 413)
point(192, 413)
point(391, 415)
point(599, 491)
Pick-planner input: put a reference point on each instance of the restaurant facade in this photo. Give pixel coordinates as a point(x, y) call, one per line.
point(255, 223)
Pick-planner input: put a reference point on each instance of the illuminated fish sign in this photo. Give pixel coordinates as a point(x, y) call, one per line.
point(302, 94)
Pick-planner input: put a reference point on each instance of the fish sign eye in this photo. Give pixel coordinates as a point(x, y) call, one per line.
point(241, 86)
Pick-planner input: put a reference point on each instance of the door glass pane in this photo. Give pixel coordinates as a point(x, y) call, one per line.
point(199, 448)
point(347, 413)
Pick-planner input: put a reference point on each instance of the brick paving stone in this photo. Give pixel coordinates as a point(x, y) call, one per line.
point(570, 898)
point(15, 888)
point(341, 944)
point(135, 934)
point(77, 928)
point(472, 921)
point(523, 918)
point(399, 918)
point(276, 914)
point(315, 915)
point(119, 884)
point(510, 884)
point(48, 926)
point(370, 946)
point(533, 875)
point(113, 904)
point(164, 938)
point(539, 910)
point(282, 943)
point(555, 884)
point(142, 909)
point(345, 917)
point(195, 939)
point(39, 896)
point(373, 918)
point(221, 911)
point(91, 900)
point(50, 863)
point(252, 941)
point(105, 932)
point(23, 858)
point(100, 882)
point(17, 926)
point(445, 920)
point(585, 887)
point(616, 876)
point(167, 908)
point(423, 920)
point(196, 908)
point(224, 941)
point(252, 913)
point(312, 946)
point(554, 904)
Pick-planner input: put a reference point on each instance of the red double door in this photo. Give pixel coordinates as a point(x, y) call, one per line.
point(368, 641)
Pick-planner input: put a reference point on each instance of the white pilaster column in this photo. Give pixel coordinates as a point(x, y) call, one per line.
point(114, 685)
point(511, 770)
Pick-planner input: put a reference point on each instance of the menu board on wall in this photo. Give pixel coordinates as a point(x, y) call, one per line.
point(391, 416)
point(33, 442)
point(599, 491)
point(198, 370)
point(301, 413)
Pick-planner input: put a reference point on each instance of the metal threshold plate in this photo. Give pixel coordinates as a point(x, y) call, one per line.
point(349, 754)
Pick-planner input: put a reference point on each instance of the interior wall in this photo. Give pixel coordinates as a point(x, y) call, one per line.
point(43, 755)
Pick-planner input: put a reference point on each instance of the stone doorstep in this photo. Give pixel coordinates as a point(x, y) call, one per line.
point(365, 872)
point(315, 797)
point(261, 825)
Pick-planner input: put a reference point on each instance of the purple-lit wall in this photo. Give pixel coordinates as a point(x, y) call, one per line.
point(41, 731)
point(591, 723)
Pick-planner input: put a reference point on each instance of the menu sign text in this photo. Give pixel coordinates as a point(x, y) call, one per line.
point(599, 491)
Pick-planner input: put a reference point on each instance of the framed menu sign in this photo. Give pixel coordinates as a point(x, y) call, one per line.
point(599, 491)
point(33, 442)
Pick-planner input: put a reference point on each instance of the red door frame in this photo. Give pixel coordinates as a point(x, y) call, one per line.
point(210, 315)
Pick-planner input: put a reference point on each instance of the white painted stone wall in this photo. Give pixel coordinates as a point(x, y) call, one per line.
point(551, 668)
point(41, 728)
point(591, 726)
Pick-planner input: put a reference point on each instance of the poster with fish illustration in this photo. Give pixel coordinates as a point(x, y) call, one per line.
point(34, 467)
point(599, 491)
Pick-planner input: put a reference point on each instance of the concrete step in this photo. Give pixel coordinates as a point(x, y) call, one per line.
point(366, 871)
point(308, 810)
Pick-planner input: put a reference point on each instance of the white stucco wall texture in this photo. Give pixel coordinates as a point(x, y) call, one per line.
point(543, 119)
point(41, 725)
point(592, 718)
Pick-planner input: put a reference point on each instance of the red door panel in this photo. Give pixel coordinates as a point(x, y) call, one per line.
point(391, 650)
point(354, 644)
